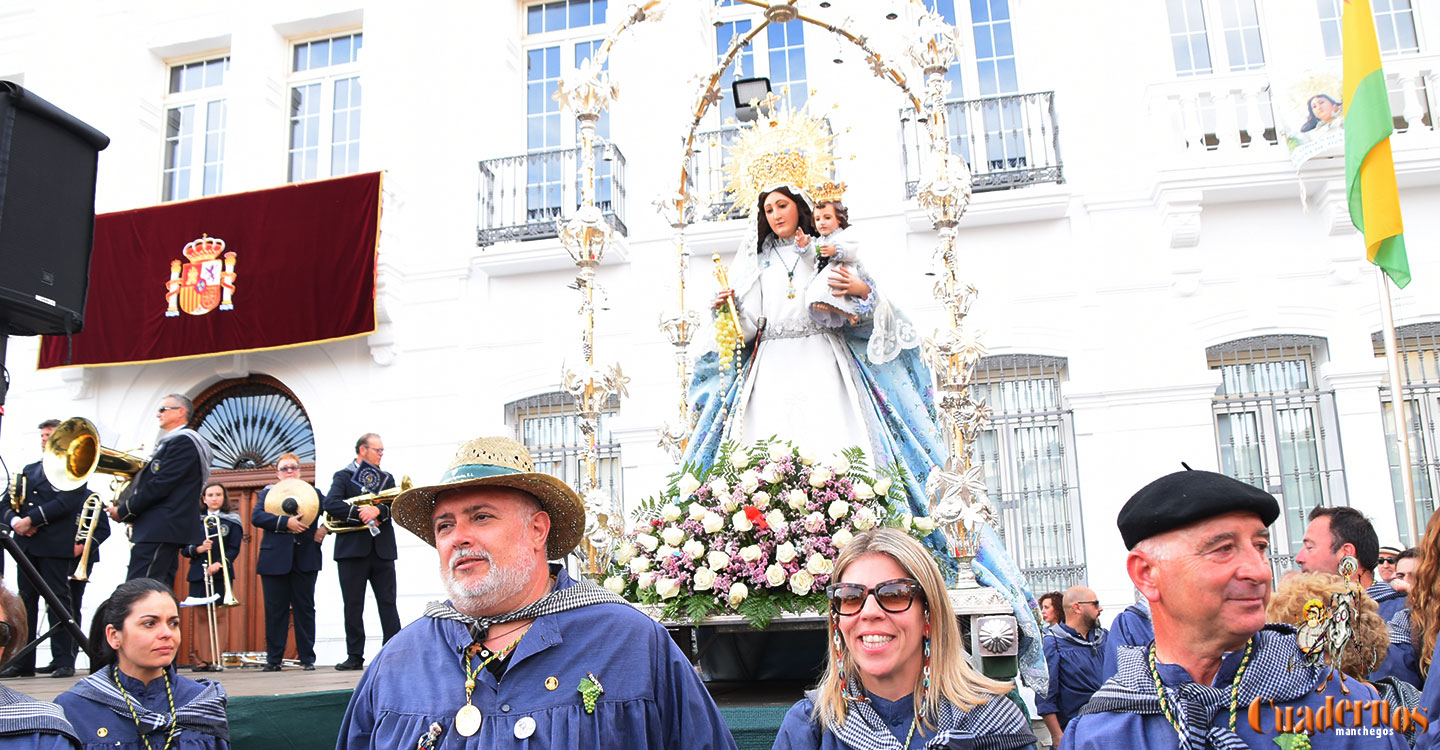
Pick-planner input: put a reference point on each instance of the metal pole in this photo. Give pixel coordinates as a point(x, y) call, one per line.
point(1399, 407)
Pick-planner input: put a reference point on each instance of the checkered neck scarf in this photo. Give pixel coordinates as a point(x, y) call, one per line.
point(993, 725)
point(580, 594)
point(1399, 628)
point(22, 715)
point(1277, 671)
point(205, 713)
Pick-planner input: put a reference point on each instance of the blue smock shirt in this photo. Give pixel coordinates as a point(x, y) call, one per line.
point(997, 724)
point(1130, 628)
point(1075, 665)
point(653, 697)
point(90, 718)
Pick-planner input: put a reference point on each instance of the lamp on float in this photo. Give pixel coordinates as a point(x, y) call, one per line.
point(746, 90)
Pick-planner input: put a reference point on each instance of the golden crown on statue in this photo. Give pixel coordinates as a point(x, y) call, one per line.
point(205, 248)
point(828, 190)
point(784, 147)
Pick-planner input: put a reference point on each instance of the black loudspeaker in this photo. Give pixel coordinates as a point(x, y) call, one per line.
point(48, 161)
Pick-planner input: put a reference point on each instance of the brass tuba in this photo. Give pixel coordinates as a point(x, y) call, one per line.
point(74, 452)
point(90, 514)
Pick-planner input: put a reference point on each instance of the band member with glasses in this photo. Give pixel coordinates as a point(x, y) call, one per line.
point(898, 675)
point(159, 502)
point(133, 697)
point(45, 530)
point(1199, 546)
point(289, 562)
point(1075, 655)
point(25, 723)
point(367, 555)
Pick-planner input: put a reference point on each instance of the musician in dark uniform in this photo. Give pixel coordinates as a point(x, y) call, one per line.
point(205, 557)
point(160, 502)
point(289, 562)
point(367, 554)
point(45, 530)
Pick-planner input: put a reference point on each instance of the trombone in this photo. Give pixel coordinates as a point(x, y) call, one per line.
point(215, 533)
point(85, 534)
point(383, 497)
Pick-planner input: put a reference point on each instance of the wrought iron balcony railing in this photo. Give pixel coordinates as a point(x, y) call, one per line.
point(523, 197)
point(1008, 141)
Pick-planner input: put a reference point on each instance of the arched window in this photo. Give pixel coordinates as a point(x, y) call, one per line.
point(250, 422)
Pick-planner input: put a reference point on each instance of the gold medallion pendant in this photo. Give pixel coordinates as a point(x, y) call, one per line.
point(467, 720)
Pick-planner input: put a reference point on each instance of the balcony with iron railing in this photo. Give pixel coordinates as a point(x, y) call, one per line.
point(524, 197)
point(1009, 141)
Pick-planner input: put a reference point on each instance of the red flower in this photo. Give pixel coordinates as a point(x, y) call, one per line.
point(756, 518)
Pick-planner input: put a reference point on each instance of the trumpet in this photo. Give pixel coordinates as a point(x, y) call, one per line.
point(85, 534)
point(383, 497)
point(17, 492)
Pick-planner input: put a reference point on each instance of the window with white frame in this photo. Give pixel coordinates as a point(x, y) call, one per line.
point(195, 112)
point(1030, 468)
point(325, 102)
point(776, 53)
point(1394, 26)
point(1202, 31)
point(1275, 428)
point(559, 36)
point(1419, 347)
point(550, 429)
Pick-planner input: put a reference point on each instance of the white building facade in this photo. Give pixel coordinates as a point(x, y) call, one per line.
point(1158, 283)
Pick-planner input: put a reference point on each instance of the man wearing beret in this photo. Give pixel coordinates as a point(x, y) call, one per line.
point(1216, 675)
point(522, 655)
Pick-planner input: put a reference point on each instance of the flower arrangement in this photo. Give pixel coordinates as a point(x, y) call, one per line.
point(757, 534)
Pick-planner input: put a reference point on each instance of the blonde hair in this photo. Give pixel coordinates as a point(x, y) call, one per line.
point(951, 676)
point(1372, 638)
point(1422, 600)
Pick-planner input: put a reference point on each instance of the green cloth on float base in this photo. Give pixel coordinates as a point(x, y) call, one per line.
point(306, 721)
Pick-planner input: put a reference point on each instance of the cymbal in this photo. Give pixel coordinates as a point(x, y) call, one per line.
point(293, 497)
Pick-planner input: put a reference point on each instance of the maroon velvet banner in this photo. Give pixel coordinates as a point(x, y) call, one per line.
point(262, 270)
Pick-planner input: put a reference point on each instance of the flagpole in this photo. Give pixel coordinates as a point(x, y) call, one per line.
point(1400, 409)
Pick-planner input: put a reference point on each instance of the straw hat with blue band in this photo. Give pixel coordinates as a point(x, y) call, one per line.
point(497, 462)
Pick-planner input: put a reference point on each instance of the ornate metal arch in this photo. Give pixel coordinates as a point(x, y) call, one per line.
point(250, 422)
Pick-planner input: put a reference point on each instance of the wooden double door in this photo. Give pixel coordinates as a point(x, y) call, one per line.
point(242, 628)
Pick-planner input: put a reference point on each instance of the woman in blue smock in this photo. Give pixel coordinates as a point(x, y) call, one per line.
point(133, 698)
point(898, 675)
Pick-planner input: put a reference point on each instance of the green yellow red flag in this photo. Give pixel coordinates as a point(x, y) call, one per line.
point(1369, 163)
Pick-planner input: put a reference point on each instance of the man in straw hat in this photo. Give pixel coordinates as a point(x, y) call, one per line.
point(522, 654)
point(1216, 675)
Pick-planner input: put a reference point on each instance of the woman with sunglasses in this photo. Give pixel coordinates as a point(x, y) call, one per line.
point(898, 674)
point(134, 699)
point(25, 723)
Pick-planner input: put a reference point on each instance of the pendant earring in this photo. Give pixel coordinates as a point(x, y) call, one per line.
point(925, 668)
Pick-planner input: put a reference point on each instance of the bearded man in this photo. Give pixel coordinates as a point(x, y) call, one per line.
point(522, 655)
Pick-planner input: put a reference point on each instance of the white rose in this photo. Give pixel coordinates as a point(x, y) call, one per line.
point(775, 575)
point(625, 553)
point(838, 509)
point(801, 582)
point(741, 523)
point(667, 588)
point(785, 552)
point(696, 511)
point(882, 486)
point(809, 457)
point(671, 512)
point(819, 476)
point(738, 593)
point(842, 538)
point(687, 485)
point(664, 551)
point(862, 491)
point(712, 521)
point(796, 499)
point(778, 451)
point(819, 564)
point(704, 579)
point(770, 474)
point(838, 463)
point(729, 505)
point(616, 584)
point(717, 559)
point(906, 522)
point(740, 459)
point(760, 499)
point(647, 541)
point(864, 519)
point(718, 488)
point(673, 535)
point(645, 581)
point(776, 519)
point(814, 522)
point(750, 553)
point(924, 524)
point(640, 564)
point(693, 549)
point(749, 481)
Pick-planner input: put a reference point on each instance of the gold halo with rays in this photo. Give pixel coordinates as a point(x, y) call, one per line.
point(787, 147)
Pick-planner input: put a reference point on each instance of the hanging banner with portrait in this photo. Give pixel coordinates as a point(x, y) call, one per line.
point(268, 269)
point(1310, 113)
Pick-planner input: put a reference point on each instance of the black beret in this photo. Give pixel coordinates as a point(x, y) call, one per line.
point(1187, 497)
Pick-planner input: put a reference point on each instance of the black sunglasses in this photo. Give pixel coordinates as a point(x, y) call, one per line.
point(894, 596)
point(6, 633)
point(1389, 560)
